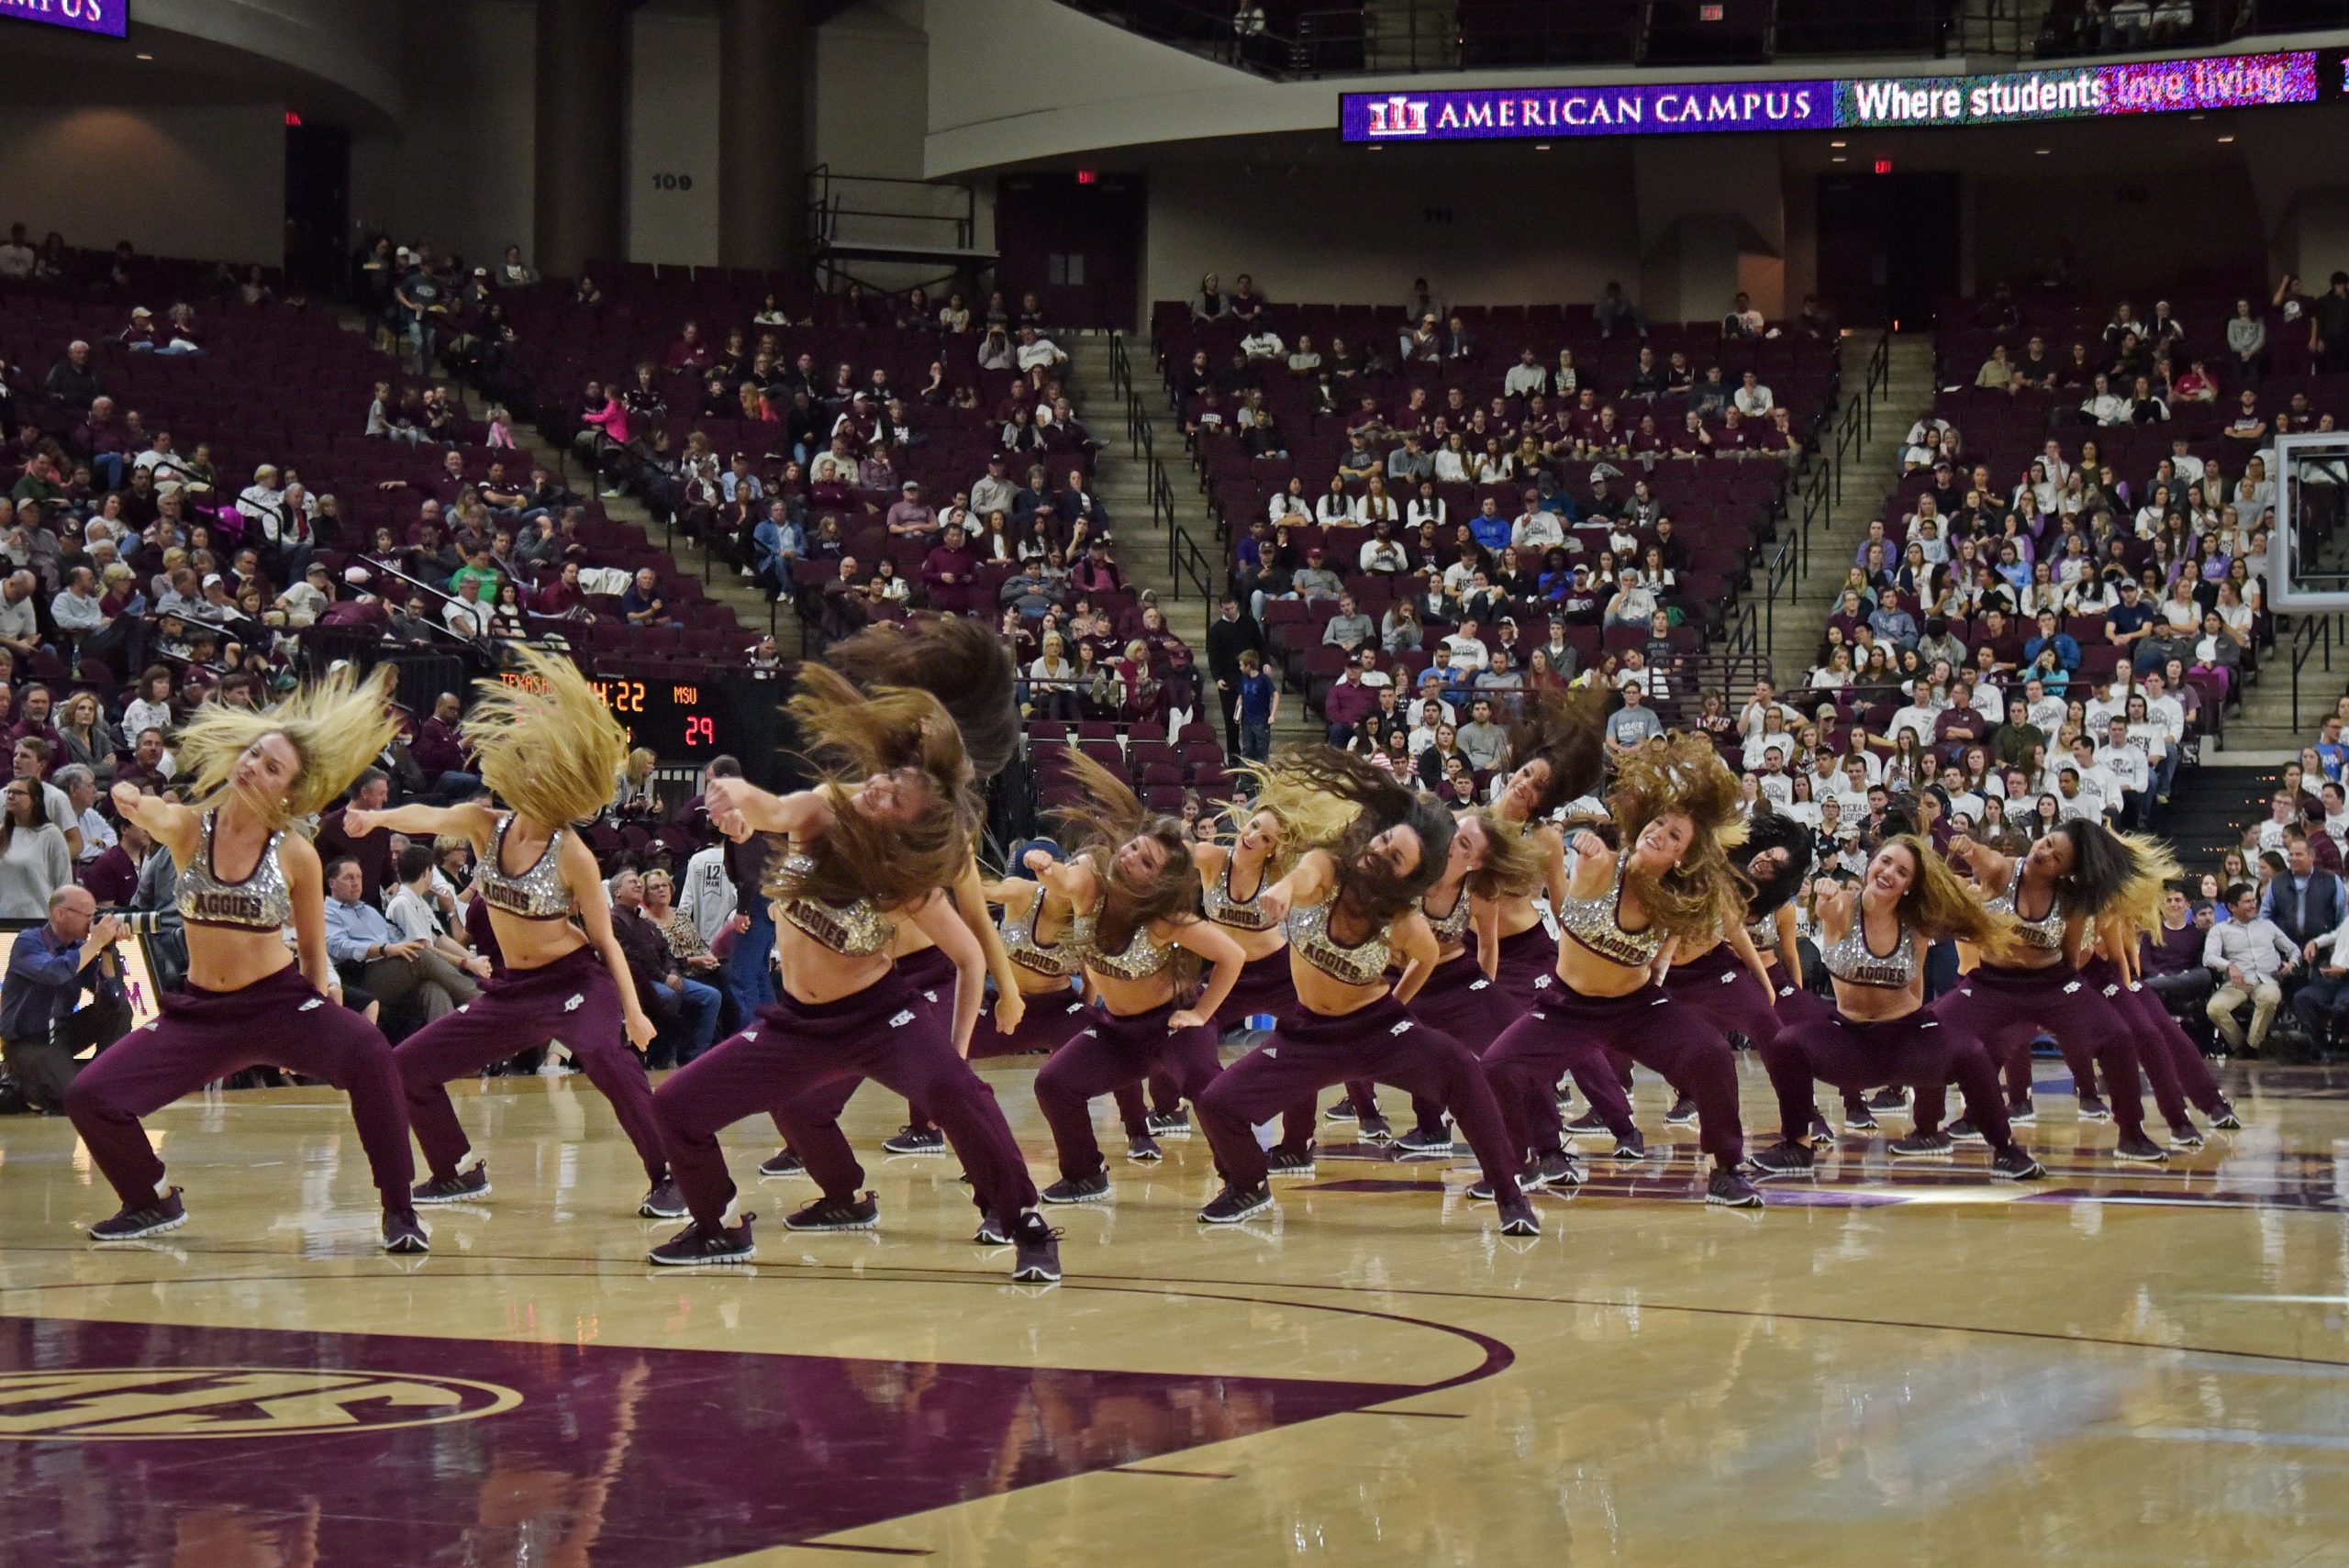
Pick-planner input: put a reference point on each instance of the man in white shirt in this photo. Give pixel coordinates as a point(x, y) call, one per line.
point(1771, 783)
point(1263, 343)
point(1917, 714)
point(1759, 706)
point(2105, 407)
point(2166, 711)
point(2250, 956)
point(1752, 398)
point(1469, 654)
point(1038, 353)
point(1426, 719)
point(2047, 712)
point(705, 893)
point(2188, 467)
point(2126, 763)
point(1382, 552)
point(1536, 529)
point(2100, 780)
point(1527, 378)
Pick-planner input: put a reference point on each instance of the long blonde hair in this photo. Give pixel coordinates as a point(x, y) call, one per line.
point(544, 740)
point(1940, 903)
point(1513, 857)
point(338, 727)
point(852, 735)
point(1703, 895)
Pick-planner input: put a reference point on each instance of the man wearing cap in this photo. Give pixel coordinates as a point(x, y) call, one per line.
point(1535, 529)
point(910, 516)
point(1315, 580)
point(2128, 624)
point(992, 493)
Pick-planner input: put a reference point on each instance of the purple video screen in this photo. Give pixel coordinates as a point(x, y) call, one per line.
point(110, 18)
point(2140, 87)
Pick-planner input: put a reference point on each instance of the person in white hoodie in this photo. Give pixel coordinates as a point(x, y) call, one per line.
point(706, 894)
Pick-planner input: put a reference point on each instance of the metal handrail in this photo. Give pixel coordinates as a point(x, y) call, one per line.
point(2312, 638)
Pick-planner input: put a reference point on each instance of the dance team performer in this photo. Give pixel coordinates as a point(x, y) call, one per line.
point(1561, 752)
point(1880, 1031)
point(548, 747)
point(871, 844)
point(1349, 910)
point(1675, 806)
point(1719, 977)
point(244, 877)
point(2055, 893)
point(1130, 879)
point(2173, 1063)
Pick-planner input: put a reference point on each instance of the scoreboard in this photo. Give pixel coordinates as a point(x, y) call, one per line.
point(675, 719)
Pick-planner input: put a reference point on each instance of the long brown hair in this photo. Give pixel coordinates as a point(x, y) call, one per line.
point(1703, 894)
point(851, 736)
point(1106, 816)
point(963, 663)
point(1513, 857)
point(1567, 728)
point(1939, 905)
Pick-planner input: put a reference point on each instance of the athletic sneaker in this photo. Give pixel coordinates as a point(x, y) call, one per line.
point(1288, 1163)
point(1559, 1170)
point(825, 1214)
point(663, 1202)
point(1233, 1204)
point(1889, 1102)
point(1729, 1189)
point(1819, 1130)
point(1964, 1131)
point(1784, 1158)
point(2094, 1109)
point(2227, 1120)
point(990, 1233)
point(1682, 1113)
point(2012, 1164)
point(695, 1244)
point(166, 1213)
point(404, 1232)
point(784, 1163)
point(1094, 1188)
point(1922, 1146)
point(1425, 1143)
point(1590, 1124)
point(2186, 1135)
point(1518, 1219)
point(2140, 1150)
point(1144, 1150)
point(1343, 1111)
point(1037, 1257)
point(1169, 1124)
point(1859, 1118)
point(1631, 1149)
point(1374, 1129)
point(916, 1140)
point(2021, 1112)
point(463, 1187)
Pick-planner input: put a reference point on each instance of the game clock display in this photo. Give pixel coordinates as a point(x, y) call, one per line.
point(673, 719)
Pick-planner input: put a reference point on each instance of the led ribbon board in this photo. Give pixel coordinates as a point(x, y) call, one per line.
point(2146, 87)
point(109, 16)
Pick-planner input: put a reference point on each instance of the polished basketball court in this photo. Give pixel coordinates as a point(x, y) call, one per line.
point(2115, 1366)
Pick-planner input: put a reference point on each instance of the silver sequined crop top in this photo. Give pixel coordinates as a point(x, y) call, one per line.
point(853, 931)
point(1851, 959)
point(1764, 933)
point(1059, 960)
point(537, 893)
point(263, 902)
point(2046, 932)
point(1451, 929)
point(1239, 914)
point(1140, 958)
point(1361, 965)
point(1597, 924)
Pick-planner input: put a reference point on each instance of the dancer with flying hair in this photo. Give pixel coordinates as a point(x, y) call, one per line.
point(245, 876)
point(547, 746)
point(1129, 878)
point(871, 845)
point(1674, 807)
point(2173, 1062)
point(1560, 748)
point(1349, 907)
point(2055, 893)
point(1880, 1031)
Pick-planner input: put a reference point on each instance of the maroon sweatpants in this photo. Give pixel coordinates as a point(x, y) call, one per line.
point(1528, 966)
point(2175, 1078)
point(1457, 1000)
point(572, 1000)
point(1910, 1052)
point(1109, 1052)
point(280, 1021)
point(797, 1050)
point(1265, 985)
point(1571, 1032)
point(1718, 985)
point(1308, 1051)
point(2007, 1009)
